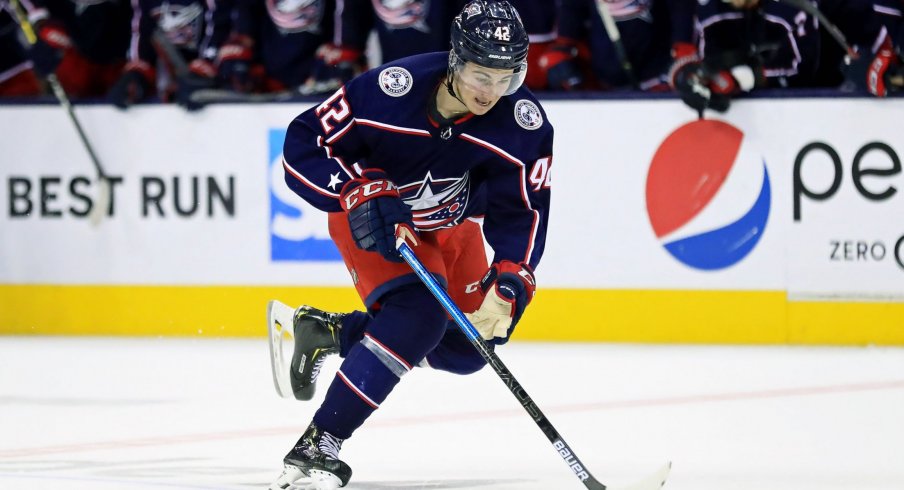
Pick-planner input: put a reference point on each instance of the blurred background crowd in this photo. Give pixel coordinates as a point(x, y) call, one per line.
point(708, 51)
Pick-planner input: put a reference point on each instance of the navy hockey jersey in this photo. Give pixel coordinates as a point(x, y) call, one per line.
point(404, 27)
point(287, 34)
point(99, 29)
point(197, 28)
point(648, 29)
point(496, 165)
point(790, 45)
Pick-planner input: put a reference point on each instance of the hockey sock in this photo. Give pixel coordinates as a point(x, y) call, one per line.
point(360, 386)
point(353, 326)
point(409, 324)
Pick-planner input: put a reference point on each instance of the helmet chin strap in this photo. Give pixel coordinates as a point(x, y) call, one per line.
point(449, 80)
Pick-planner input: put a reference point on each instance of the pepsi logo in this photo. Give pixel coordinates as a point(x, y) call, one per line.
point(708, 195)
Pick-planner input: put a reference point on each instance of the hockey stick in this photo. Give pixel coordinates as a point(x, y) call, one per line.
point(171, 52)
point(612, 31)
point(654, 482)
point(206, 96)
point(833, 30)
point(104, 198)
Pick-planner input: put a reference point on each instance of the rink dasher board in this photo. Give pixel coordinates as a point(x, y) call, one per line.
point(201, 213)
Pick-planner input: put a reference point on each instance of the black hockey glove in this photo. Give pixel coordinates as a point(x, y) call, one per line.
point(375, 208)
point(562, 68)
point(134, 85)
point(49, 47)
point(333, 66)
point(234, 63)
point(874, 74)
point(201, 75)
point(508, 288)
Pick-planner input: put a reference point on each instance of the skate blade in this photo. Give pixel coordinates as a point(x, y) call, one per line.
point(282, 342)
point(293, 478)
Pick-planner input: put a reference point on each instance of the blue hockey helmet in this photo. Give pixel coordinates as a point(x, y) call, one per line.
point(489, 33)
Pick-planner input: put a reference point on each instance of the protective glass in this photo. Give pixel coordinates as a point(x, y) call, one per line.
point(497, 83)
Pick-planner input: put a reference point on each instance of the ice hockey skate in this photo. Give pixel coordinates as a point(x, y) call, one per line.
point(313, 464)
point(312, 335)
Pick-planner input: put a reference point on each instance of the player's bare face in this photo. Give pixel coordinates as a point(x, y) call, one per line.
point(480, 87)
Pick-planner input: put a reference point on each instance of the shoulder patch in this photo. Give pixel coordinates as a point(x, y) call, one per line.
point(528, 115)
point(395, 81)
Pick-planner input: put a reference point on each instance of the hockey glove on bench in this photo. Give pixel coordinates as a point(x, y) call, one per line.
point(508, 288)
point(374, 209)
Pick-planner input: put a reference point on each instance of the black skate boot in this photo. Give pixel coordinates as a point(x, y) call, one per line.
point(314, 463)
point(315, 335)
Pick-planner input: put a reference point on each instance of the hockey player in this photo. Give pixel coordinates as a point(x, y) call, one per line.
point(194, 28)
point(584, 56)
point(403, 27)
point(408, 27)
point(273, 44)
point(750, 44)
point(881, 70)
point(420, 149)
point(84, 43)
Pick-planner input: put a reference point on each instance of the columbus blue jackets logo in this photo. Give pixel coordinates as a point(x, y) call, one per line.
point(296, 15)
point(437, 203)
point(180, 23)
point(395, 81)
point(403, 14)
point(629, 9)
point(528, 115)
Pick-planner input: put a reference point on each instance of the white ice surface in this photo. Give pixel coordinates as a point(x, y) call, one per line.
point(97, 413)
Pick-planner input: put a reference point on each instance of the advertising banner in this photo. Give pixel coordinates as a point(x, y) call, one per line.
point(790, 200)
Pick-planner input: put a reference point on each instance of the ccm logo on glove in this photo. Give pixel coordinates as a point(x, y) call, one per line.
point(369, 190)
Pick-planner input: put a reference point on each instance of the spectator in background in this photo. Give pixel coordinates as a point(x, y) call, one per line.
point(192, 29)
point(17, 79)
point(409, 27)
point(748, 44)
point(584, 57)
point(539, 18)
point(84, 43)
point(273, 44)
point(403, 28)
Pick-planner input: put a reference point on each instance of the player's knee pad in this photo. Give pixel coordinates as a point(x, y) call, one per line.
point(455, 354)
point(410, 323)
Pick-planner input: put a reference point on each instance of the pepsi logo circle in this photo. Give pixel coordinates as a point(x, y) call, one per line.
point(708, 195)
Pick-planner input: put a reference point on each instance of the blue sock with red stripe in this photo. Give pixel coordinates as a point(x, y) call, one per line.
point(409, 325)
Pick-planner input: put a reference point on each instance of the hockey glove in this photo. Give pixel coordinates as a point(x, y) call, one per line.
point(701, 88)
point(201, 75)
point(47, 51)
point(562, 68)
point(375, 210)
point(135, 84)
point(334, 65)
point(508, 288)
point(874, 75)
point(234, 63)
